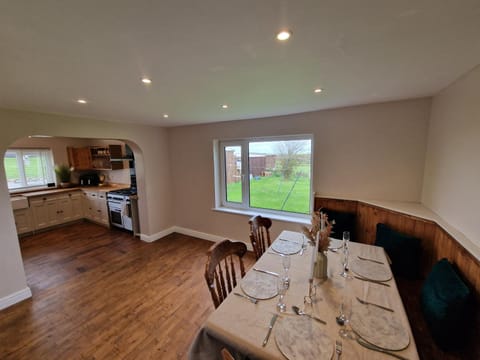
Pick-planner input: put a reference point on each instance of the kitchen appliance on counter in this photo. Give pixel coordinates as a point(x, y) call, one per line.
point(89, 180)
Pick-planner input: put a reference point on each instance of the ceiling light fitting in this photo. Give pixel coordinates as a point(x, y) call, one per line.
point(284, 35)
point(224, 106)
point(81, 101)
point(165, 116)
point(146, 80)
point(318, 90)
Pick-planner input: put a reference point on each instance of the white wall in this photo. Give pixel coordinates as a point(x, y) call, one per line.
point(452, 171)
point(364, 152)
point(150, 145)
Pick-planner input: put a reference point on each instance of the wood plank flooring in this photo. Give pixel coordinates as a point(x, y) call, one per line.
point(102, 294)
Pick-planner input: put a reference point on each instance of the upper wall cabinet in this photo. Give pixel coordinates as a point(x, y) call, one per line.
point(95, 157)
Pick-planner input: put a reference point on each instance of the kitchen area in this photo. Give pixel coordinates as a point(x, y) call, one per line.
point(102, 187)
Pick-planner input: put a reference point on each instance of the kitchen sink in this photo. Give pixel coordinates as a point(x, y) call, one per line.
point(19, 202)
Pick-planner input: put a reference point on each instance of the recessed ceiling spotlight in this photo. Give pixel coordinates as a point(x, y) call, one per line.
point(165, 116)
point(146, 80)
point(81, 101)
point(318, 90)
point(224, 106)
point(284, 35)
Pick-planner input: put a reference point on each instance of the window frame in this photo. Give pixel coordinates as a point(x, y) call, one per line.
point(221, 202)
point(50, 176)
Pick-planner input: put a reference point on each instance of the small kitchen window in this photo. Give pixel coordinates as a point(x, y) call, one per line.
point(28, 168)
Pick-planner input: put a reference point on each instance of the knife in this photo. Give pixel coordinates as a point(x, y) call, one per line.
point(373, 304)
point(270, 327)
point(372, 281)
point(265, 271)
point(376, 348)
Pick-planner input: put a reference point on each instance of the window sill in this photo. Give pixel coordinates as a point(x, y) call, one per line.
point(297, 219)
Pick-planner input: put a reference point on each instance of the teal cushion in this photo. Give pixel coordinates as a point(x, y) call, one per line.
point(446, 305)
point(403, 250)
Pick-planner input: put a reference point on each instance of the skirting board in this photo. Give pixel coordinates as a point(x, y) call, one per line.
point(189, 232)
point(14, 298)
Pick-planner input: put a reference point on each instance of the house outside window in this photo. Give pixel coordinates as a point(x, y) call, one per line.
point(268, 174)
point(28, 168)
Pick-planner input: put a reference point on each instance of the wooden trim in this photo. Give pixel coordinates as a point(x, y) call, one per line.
point(436, 242)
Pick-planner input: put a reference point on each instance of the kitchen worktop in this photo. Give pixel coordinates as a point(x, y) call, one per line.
point(104, 188)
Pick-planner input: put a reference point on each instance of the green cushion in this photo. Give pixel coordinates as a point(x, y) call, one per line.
point(403, 250)
point(446, 305)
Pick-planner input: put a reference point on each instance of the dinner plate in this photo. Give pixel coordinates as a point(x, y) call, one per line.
point(370, 270)
point(286, 247)
point(259, 285)
point(299, 337)
point(379, 327)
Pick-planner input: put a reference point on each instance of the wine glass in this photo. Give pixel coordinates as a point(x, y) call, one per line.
point(286, 266)
point(282, 289)
point(346, 241)
point(345, 313)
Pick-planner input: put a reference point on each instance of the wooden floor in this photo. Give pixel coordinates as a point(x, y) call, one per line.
point(102, 294)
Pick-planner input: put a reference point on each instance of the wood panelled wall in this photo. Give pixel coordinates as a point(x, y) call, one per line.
point(436, 242)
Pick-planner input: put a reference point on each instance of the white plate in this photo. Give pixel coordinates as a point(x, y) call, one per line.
point(371, 270)
point(298, 337)
point(379, 327)
point(286, 247)
point(259, 285)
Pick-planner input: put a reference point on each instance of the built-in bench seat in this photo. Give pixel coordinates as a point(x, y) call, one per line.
point(436, 243)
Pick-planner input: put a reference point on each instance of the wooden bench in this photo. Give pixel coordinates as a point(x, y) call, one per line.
point(436, 244)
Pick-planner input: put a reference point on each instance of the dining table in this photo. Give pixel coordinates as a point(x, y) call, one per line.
point(378, 327)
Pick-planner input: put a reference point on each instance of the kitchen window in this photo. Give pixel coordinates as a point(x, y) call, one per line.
point(28, 168)
point(272, 175)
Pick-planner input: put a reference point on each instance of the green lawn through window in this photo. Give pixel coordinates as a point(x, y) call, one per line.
point(275, 193)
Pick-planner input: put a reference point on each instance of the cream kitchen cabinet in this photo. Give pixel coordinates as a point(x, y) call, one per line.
point(51, 210)
point(23, 220)
point(95, 206)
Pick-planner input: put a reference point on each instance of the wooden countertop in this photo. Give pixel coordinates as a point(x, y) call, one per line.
point(103, 188)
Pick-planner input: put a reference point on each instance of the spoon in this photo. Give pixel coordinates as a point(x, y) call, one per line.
point(297, 311)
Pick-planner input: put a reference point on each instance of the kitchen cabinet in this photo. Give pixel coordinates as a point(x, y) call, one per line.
point(95, 206)
point(23, 220)
point(51, 210)
point(96, 157)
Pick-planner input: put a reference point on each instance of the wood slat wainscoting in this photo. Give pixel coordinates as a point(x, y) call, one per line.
point(436, 244)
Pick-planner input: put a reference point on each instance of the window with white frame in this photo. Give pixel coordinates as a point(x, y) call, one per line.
point(28, 168)
point(272, 174)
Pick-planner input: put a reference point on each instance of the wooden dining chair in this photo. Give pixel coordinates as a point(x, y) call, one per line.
point(260, 234)
point(226, 355)
point(224, 267)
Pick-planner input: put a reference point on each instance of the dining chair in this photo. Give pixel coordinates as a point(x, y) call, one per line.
point(260, 234)
point(226, 355)
point(223, 268)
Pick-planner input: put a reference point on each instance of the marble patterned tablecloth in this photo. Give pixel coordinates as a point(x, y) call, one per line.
point(241, 325)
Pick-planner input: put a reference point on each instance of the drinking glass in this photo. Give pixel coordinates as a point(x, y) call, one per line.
point(286, 266)
point(346, 313)
point(346, 242)
point(282, 289)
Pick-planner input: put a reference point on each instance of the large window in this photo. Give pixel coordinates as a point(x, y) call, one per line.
point(272, 174)
point(27, 168)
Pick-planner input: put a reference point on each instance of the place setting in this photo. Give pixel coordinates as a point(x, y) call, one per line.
point(370, 271)
point(287, 246)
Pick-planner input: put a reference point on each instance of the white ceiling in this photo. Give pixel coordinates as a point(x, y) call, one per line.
point(201, 54)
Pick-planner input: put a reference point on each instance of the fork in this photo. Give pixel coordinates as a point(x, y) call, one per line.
point(338, 348)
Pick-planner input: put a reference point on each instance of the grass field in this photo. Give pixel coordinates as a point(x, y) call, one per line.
point(33, 170)
point(270, 192)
